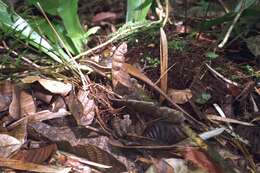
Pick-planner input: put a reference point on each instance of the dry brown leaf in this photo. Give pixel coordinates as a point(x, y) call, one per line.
point(160, 166)
point(182, 166)
point(43, 96)
point(201, 159)
point(138, 74)
point(41, 116)
point(30, 79)
point(94, 154)
point(119, 73)
point(27, 166)
point(58, 103)
point(180, 96)
point(8, 145)
point(37, 155)
point(28, 106)
point(163, 62)
point(56, 87)
point(76, 108)
point(88, 107)
point(15, 106)
point(5, 95)
point(22, 104)
point(104, 16)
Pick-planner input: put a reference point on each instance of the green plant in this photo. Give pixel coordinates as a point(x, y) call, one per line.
point(69, 28)
point(137, 10)
point(203, 98)
point(177, 44)
point(211, 55)
point(150, 62)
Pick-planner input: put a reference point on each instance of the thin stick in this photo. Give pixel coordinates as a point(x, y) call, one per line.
point(83, 79)
point(230, 29)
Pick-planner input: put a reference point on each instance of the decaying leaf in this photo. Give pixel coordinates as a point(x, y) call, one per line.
point(163, 62)
point(94, 154)
point(30, 79)
point(160, 166)
point(12, 140)
point(56, 87)
point(82, 115)
point(182, 166)
point(42, 116)
point(104, 16)
point(151, 108)
point(119, 73)
point(88, 107)
point(27, 166)
point(58, 103)
point(5, 95)
point(43, 96)
point(201, 159)
point(37, 155)
point(180, 96)
point(22, 104)
point(8, 145)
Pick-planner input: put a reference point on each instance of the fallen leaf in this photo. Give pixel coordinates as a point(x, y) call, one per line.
point(8, 145)
point(22, 104)
point(163, 62)
point(88, 107)
point(56, 87)
point(160, 167)
point(180, 96)
point(30, 79)
point(36, 155)
point(43, 96)
point(58, 103)
point(75, 107)
point(138, 74)
point(119, 73)
point(5, 95)
point(182, 166)
point(201, 159)
point(27, 166)
point(104, 16)
point(41, 116)
point(94, 154)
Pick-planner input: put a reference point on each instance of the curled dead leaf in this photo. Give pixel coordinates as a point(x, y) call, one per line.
point(88, 107)
point(56, 87)
point(22, 104)
point(180, 96)
point(119, 73)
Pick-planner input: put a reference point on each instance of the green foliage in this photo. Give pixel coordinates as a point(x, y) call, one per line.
point(251, 10)
point(16, 26)
point(211, 55)
point(150, 62)
point(72, 34)
point(177, 44)
point(137, 10)
point(203, 98)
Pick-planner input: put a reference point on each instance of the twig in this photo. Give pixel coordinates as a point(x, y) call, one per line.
point(83, 79)
point(22, 57)
point(224, 6)
point(221, 45)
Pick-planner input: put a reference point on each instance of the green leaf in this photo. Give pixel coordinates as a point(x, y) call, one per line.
point(67, 10)
point(20, 28)
point(211, 55)
point(203, 98)
point(137, 10)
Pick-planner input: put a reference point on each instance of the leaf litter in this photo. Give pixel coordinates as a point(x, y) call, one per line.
point(51, 125)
